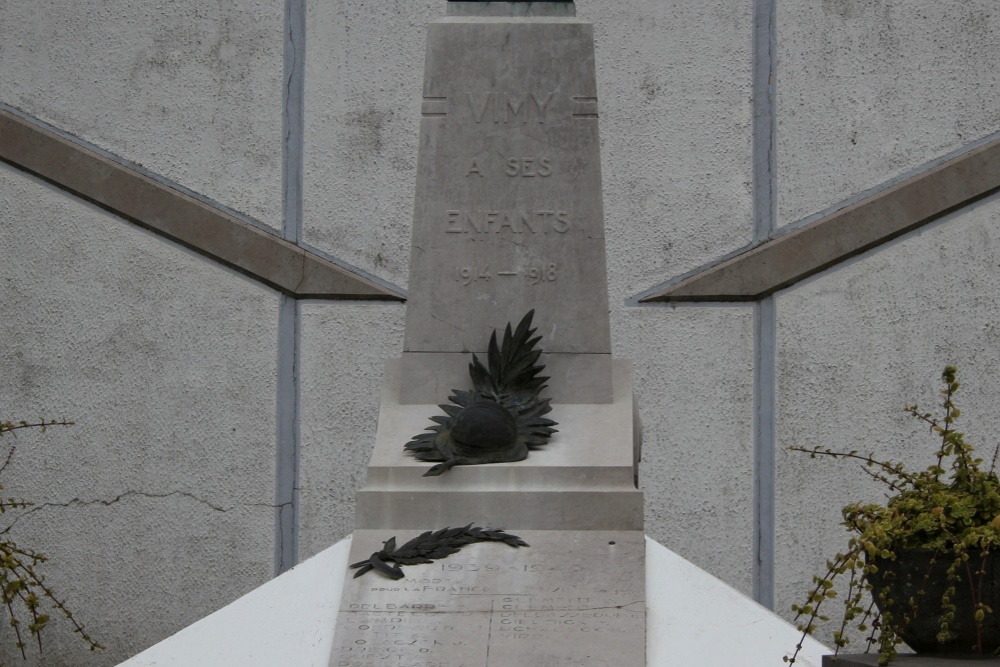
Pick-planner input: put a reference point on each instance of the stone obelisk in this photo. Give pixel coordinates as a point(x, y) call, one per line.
point(508, 213)
point(508, 218)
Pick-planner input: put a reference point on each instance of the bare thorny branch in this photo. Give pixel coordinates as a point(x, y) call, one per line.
point(20, 585)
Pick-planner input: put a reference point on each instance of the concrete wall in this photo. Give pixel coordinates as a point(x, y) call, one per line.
point(871, 90)
point(190, 90)
point(157, 507)
point(170, 364)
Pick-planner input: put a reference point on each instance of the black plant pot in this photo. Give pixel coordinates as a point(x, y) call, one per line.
point(922, 575)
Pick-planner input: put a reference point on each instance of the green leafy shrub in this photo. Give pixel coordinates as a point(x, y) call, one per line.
point(952, 507)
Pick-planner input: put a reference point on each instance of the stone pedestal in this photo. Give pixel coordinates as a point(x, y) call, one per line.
point(583, 479)
point(904, 660)
point(575, 595)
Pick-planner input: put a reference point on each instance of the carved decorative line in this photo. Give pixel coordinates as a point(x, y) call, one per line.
point(787, 259)
point(585, 107)
point(195, 224)
point(434, 106)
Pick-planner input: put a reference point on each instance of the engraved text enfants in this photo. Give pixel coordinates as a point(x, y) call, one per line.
point(508, 108)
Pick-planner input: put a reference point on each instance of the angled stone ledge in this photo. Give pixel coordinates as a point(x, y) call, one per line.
point(845, 233)
point(208, 230)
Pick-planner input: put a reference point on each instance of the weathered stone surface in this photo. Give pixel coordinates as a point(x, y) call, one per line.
point(879, 330)
point(866, 93)
point(584, 478)
point(570, 598)
point(431, 376)
point(190, 90)
point(508, 214)
point(558, 8)
point(157, 507)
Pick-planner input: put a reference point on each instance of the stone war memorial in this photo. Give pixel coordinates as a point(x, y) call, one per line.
point(506, 421)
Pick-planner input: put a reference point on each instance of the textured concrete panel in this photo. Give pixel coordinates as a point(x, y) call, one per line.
point(167, 364)
point(694, 387)
point(188, 89)
point(868, 90)
point(343, 352)
point(855, 346)
point(364, 67)
point(838, 236)
point(674, 83)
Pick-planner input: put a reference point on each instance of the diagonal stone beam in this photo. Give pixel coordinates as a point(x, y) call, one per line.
point(785, 260)
point(208, 230)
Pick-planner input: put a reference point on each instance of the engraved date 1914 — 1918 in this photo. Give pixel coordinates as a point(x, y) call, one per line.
point(534, 275)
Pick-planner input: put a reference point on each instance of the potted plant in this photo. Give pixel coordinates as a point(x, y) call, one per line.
point(920, 567)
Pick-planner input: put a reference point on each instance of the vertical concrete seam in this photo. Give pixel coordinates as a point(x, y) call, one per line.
point(764, 98)
point(287, 462)
point(293, 118)
point(286, 539)
point(765, 335)
point(765, 323)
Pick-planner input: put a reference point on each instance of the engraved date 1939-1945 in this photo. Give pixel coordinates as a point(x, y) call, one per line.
point(534, 275)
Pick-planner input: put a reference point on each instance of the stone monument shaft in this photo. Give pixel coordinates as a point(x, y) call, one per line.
point(508, 213)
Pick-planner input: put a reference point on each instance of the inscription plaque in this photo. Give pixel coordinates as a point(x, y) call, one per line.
point(570, 598)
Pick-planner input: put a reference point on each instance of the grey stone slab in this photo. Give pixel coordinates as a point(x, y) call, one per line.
point(573, 378)
point(535, 508)
point(508, 214)
point(570, 598)
point(584, 477)
point(903, 660)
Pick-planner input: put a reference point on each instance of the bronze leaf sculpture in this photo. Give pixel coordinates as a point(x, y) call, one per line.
point(501, 419)
point(427, 547)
